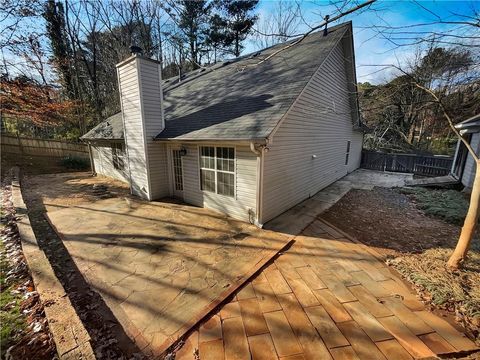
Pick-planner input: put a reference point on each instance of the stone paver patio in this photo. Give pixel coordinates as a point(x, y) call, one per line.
point(325, 297)
point(161, 267)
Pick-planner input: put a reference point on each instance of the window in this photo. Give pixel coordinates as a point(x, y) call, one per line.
point(347, 154)
point(118, 153)
point(217, 170)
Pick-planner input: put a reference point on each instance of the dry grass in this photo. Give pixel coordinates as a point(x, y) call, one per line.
point(457, 291)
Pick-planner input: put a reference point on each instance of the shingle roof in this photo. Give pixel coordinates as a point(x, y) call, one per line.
point(240, 99)
point(111, 129)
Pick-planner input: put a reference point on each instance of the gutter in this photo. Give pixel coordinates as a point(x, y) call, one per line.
point(262, 141)
point(260, 165)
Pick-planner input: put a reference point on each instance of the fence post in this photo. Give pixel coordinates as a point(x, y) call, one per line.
point(20, 145)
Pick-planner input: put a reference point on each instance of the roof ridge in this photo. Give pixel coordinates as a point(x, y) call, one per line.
point(207, 70)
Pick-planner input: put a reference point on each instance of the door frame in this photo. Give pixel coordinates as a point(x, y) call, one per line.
point(460, 158)
point(174, 192)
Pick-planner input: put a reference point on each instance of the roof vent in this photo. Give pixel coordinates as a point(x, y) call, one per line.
point(136, 50)
point(325, 30)
point(254, 55)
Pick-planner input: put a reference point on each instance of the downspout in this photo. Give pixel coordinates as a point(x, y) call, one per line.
point(92, 163)
point(259, 202)
point(455, 159)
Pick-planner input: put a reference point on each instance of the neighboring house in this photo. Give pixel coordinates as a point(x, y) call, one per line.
point(463, 167)
point(248, 138)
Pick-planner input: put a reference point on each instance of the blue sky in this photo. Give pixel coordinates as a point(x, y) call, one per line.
point(373, 48)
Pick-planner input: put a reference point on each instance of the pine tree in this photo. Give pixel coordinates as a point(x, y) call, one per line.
point(191, 16)
point(216, 34)
point(239, 18)
point(57, 34)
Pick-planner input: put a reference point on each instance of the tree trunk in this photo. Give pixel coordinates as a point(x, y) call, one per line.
point(237, 45)
point(471, 220)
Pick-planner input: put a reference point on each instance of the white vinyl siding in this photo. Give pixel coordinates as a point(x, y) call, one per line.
point(245, 183)
point(102, 159)
point(470, 168)
point(133, 128)
point(152, 112)
point(309, 148)
point(140, 92)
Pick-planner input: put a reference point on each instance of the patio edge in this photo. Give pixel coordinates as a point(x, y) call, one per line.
point(70, 336)
point(223, 298)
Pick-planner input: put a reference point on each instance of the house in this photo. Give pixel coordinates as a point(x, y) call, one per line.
point(463, 167)
point(248, 138)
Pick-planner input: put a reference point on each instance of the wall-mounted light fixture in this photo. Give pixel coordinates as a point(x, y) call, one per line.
point(183, 151)
point(314, 156)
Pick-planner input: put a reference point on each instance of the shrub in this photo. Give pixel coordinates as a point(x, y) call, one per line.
point(76, 163)
point(448, 205)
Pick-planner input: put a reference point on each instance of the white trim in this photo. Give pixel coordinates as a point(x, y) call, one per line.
point(174, 181)
point(216, 171)
point(168, 149)
point(144, 130)
point(351, 47)
point(162, 113)
point(457, 148)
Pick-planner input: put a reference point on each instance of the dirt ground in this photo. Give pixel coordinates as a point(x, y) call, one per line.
point(389, 221)
point(417, 246)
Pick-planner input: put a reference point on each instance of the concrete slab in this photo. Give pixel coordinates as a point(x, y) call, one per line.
point(161, 267)
point(364, 177)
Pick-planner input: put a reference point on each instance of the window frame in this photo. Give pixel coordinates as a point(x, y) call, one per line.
point(215, 170)
point(117, 159)
point(347, 153)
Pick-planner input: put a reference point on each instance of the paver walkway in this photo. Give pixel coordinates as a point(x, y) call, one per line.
point(326, 297)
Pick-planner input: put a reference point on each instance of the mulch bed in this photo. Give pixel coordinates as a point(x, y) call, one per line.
point(30, 337)
point(417, 246)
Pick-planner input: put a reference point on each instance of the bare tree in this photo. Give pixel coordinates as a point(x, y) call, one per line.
point(446, 78)
point(279, 25)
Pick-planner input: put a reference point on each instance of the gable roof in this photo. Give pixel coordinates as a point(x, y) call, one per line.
point(241, 99)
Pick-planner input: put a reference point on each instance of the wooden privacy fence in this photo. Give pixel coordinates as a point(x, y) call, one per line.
point(407, 163)
point(41, 147)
